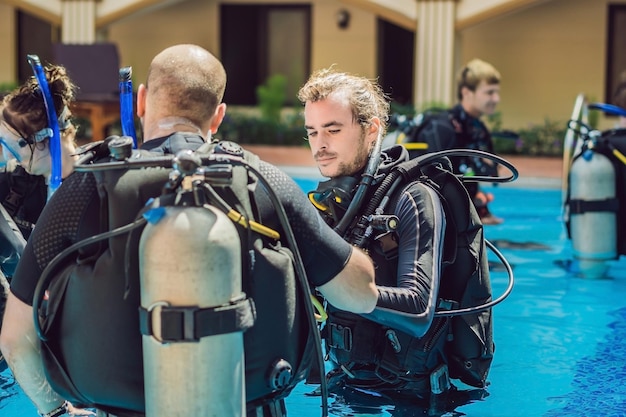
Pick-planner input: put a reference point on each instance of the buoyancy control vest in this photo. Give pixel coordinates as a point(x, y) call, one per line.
point(464, 342)
point(24, 196)
point(90, 321)
point(435, 130)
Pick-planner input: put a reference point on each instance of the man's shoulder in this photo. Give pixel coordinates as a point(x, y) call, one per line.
point(437, 119)
point(437, 128)
point(76, 184)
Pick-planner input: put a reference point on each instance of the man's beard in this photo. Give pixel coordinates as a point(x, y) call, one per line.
point(359, 161)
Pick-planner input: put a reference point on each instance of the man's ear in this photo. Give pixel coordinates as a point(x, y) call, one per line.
point(217, 118)
point(141, 100)
point(465, 91)
point(374, 128)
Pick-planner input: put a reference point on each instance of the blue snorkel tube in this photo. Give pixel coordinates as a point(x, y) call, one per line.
point(610, 109)
point(55, 141)
point(126, 104)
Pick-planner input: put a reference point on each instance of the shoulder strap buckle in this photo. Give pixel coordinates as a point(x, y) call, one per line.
point(447, 305)
point(339, 337)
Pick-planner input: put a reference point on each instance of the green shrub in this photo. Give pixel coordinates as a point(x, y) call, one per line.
point(6, 88)
point(404, 109)
point(249, 129)
point(271, 98)
point(536, 140)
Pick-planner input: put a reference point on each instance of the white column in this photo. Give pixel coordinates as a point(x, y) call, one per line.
point(434, 55)
point(78, 21)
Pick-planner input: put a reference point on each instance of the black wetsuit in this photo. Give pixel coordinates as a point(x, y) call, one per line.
point(457, 129)
point(67, 220)
point(23, 197)
point(408, 270)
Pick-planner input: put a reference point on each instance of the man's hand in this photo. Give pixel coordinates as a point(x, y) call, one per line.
point(75, 411)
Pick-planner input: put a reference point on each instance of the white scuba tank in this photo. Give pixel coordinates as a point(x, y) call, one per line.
point(593, 233)
point(192, 257)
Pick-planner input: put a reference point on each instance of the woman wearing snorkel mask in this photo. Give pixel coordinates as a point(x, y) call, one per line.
point(26, 162)
point(25, 141)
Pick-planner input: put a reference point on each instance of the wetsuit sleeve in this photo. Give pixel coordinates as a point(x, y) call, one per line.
point(57, 229)
point(324, 253)
point(410, 305)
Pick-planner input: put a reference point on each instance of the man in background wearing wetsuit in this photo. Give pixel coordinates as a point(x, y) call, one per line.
point(396, 350)
point(478, 92)
point(182, 97)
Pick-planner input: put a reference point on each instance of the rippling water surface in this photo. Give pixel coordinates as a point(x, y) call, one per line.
point(560, 339)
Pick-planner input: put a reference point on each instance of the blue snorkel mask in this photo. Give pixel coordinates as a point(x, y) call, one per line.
point(53, 124)
point(13, 141)
point(11, 147)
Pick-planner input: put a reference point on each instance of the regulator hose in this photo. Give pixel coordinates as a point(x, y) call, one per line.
point(366, 179)
point(408, 170)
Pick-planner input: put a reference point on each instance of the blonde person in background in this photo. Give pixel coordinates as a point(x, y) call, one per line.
point(478, 92)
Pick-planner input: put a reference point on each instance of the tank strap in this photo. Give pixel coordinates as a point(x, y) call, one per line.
point(583, 206)
point(186, 324)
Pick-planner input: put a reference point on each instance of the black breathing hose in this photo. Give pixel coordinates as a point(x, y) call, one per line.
point(366, 180)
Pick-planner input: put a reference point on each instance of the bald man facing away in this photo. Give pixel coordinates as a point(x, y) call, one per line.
point(180, 107)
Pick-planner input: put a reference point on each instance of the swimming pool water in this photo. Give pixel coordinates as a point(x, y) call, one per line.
point(560, 339)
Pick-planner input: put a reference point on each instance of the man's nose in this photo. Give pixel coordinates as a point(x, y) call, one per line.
point(322, 141)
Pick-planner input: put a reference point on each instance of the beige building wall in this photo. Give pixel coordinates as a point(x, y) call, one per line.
point(352, 49)
point(140, 37)
point(7, 44)
point(546, 55)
